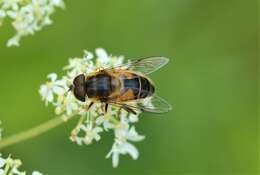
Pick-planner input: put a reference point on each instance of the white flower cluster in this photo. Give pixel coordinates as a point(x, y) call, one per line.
point(10, 166)
point(28, 16)
point(93, 122)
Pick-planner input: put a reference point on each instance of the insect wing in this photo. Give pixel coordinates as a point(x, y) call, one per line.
point(154, 104)
point(148, 65)
point(144, 65)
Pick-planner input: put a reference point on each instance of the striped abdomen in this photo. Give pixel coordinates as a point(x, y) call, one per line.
point(135, 87)
point(118, 86)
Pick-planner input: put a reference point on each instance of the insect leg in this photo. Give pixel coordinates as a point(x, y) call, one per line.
point(89, 106)
point(106, 107)
point(128, 109)
point(121, 106)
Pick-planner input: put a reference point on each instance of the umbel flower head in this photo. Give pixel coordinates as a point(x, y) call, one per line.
point(28, 16)
point(10, 166)
point(94, 121)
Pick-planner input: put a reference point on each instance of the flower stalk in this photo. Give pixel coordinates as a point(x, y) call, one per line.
point(33, 132)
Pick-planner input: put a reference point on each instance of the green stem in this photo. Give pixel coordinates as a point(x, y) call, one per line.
point(33, 132)
point(112, 119)
point(6, 169)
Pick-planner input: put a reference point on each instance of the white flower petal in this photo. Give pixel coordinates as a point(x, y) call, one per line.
point(134, 136)
point(133, 118)
point(78, 140)
point(115, 159)
point(2, 14)
point(118, 61)
point(97, 130)
point(49, 96)
point(97, 137)
point(88, 55)
point(100, 120)
point(36, 173)
point(43, 90)
point(61, 83)
point(11, 14)
point(107, 125)
point(131, 150)
point(102, 55)
point(58, 90)
point(16, 171)
point(2, 162)
point(14, 41)
point(52, 76)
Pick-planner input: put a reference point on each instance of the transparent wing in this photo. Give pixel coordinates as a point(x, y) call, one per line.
point(144, 65)
point(154, 104)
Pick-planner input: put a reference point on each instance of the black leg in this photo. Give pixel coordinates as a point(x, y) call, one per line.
point(89, 106)
point(128, 109)
point(106, 107)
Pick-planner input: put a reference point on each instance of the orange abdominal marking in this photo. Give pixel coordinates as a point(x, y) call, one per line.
point(128, 95)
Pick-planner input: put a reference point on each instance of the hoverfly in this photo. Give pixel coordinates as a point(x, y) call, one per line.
point(126, 86)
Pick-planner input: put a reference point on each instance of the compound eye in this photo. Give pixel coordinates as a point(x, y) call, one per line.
point(80, 93)
point(79, 80)
point(79, 87)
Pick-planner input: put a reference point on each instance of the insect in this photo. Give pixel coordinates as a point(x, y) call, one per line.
point(126, 86)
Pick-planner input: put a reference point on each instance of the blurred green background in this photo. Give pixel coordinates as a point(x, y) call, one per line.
point(211, 81)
